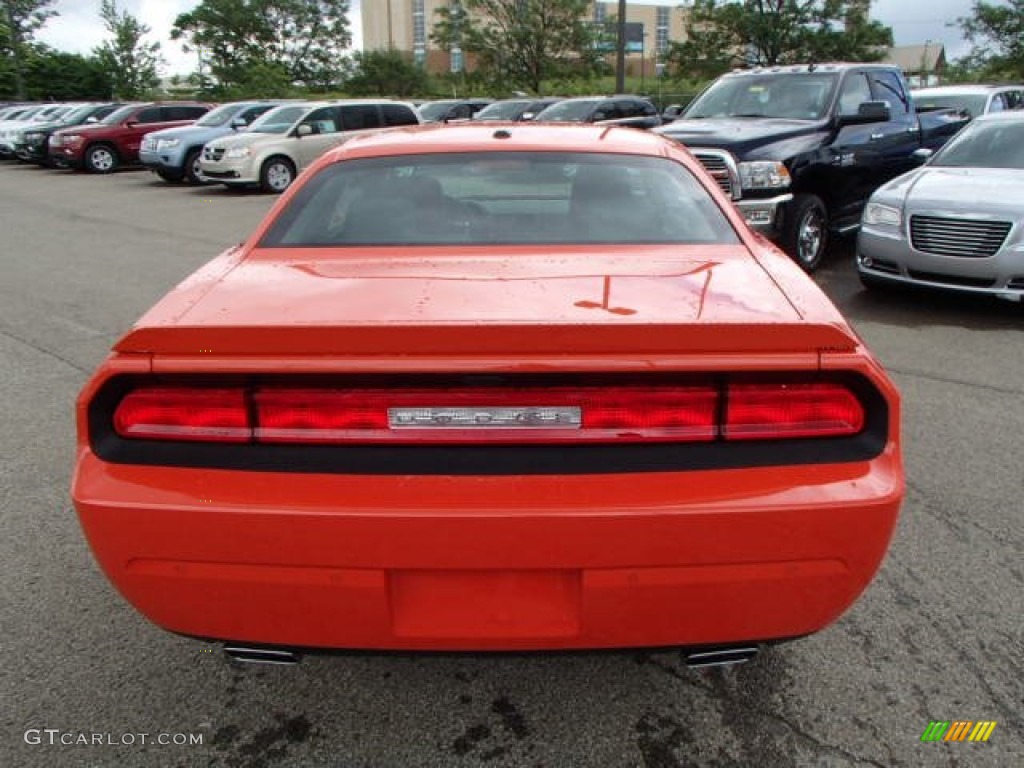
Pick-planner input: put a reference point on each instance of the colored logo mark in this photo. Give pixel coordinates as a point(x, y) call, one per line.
point(958, 730)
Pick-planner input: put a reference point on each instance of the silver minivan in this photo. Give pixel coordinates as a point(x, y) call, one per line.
point(286, 140)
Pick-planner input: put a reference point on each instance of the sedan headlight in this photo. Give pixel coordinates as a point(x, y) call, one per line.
point(236, 152)
point(33, 136)
point(885, 215)
point(72, 138)
point(167, 143)
point(764, 174)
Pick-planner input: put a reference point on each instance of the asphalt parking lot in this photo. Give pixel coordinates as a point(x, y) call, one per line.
point(938, 636)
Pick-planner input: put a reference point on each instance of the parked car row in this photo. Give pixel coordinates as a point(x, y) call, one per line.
point(263, 143)
point(799, 150)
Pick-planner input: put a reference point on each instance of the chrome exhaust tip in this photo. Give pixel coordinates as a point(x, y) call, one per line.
point(247, 654)
point(720, 657)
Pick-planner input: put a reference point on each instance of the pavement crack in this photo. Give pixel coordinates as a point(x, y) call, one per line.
point(951, 380)
point(43, 350)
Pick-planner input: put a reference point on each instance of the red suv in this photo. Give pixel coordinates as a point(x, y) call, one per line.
point(113, 142)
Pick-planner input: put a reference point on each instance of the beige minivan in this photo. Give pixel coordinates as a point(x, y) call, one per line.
point(286, 140)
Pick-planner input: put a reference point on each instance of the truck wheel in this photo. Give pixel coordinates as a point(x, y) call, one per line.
point(192, 166)
point(276, 175)
point(806, 231)
point(101, 158)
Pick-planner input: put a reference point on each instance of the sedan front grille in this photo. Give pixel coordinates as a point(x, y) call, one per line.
point(213, 153)
point(966, 238)
point(722, 168)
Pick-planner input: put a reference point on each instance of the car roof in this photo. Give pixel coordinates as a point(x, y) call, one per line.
point(1010, 115)
point(960, 90)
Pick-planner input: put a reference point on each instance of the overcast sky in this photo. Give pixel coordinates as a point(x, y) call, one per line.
point(79, 29)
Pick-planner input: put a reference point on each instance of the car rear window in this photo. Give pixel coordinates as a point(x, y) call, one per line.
point(501, 198)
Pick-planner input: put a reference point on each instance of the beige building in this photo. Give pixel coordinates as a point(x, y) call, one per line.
point(405, 25)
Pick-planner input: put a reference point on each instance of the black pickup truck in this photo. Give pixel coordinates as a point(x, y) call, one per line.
point(800, 148)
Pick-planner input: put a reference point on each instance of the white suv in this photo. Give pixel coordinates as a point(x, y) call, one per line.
point(286, 140)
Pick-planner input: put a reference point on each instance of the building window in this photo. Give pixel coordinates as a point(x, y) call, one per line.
point(600, 13)
point(457, 63)
point(661, 34)
point(419, 26)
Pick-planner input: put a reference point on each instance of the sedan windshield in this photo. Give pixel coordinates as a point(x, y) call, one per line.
point(569, 111)
point(793, 95)
point(501, 198)
point(985, 144)
point(278, 120)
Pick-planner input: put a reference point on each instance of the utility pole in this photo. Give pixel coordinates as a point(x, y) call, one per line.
point(620, 51)
point(19, 78)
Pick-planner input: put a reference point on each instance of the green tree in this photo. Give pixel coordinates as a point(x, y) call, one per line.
point(19, 21)
point(294, 42)
point(386, 73)
point(130, 62)
point(60, 76)
point(521, 43)
point(997, 33)
point(723, 34)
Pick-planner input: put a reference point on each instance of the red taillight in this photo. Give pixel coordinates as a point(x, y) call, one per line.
point(772, 411)
point(618, 413)
point(174, 413)
point(471, 415)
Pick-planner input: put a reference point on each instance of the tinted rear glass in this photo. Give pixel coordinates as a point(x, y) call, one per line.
point(506, 198)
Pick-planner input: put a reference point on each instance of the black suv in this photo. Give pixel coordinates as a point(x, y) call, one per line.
point(33, 145)
point(633, 111)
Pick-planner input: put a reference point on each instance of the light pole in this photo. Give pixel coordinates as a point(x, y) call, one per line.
point(620, 51)
point(643, 61)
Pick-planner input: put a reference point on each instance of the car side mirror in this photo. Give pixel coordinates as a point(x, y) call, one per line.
point(868, 112)
point(91, 119)
point(238, 123)
point(922, 155)
point(527, 116)
point(304, 130)
point(130, 123)
point(599, 116)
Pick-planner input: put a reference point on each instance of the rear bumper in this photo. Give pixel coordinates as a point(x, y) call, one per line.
point(490, 563)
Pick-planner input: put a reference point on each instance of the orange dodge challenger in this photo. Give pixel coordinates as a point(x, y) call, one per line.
point(493, 388)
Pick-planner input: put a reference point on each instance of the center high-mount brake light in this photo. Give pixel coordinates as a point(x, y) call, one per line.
point(615, 414)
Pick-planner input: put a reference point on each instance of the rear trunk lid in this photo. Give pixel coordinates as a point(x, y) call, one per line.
point(629, 300)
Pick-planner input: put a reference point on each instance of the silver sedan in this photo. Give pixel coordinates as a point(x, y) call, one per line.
point(958, 221)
